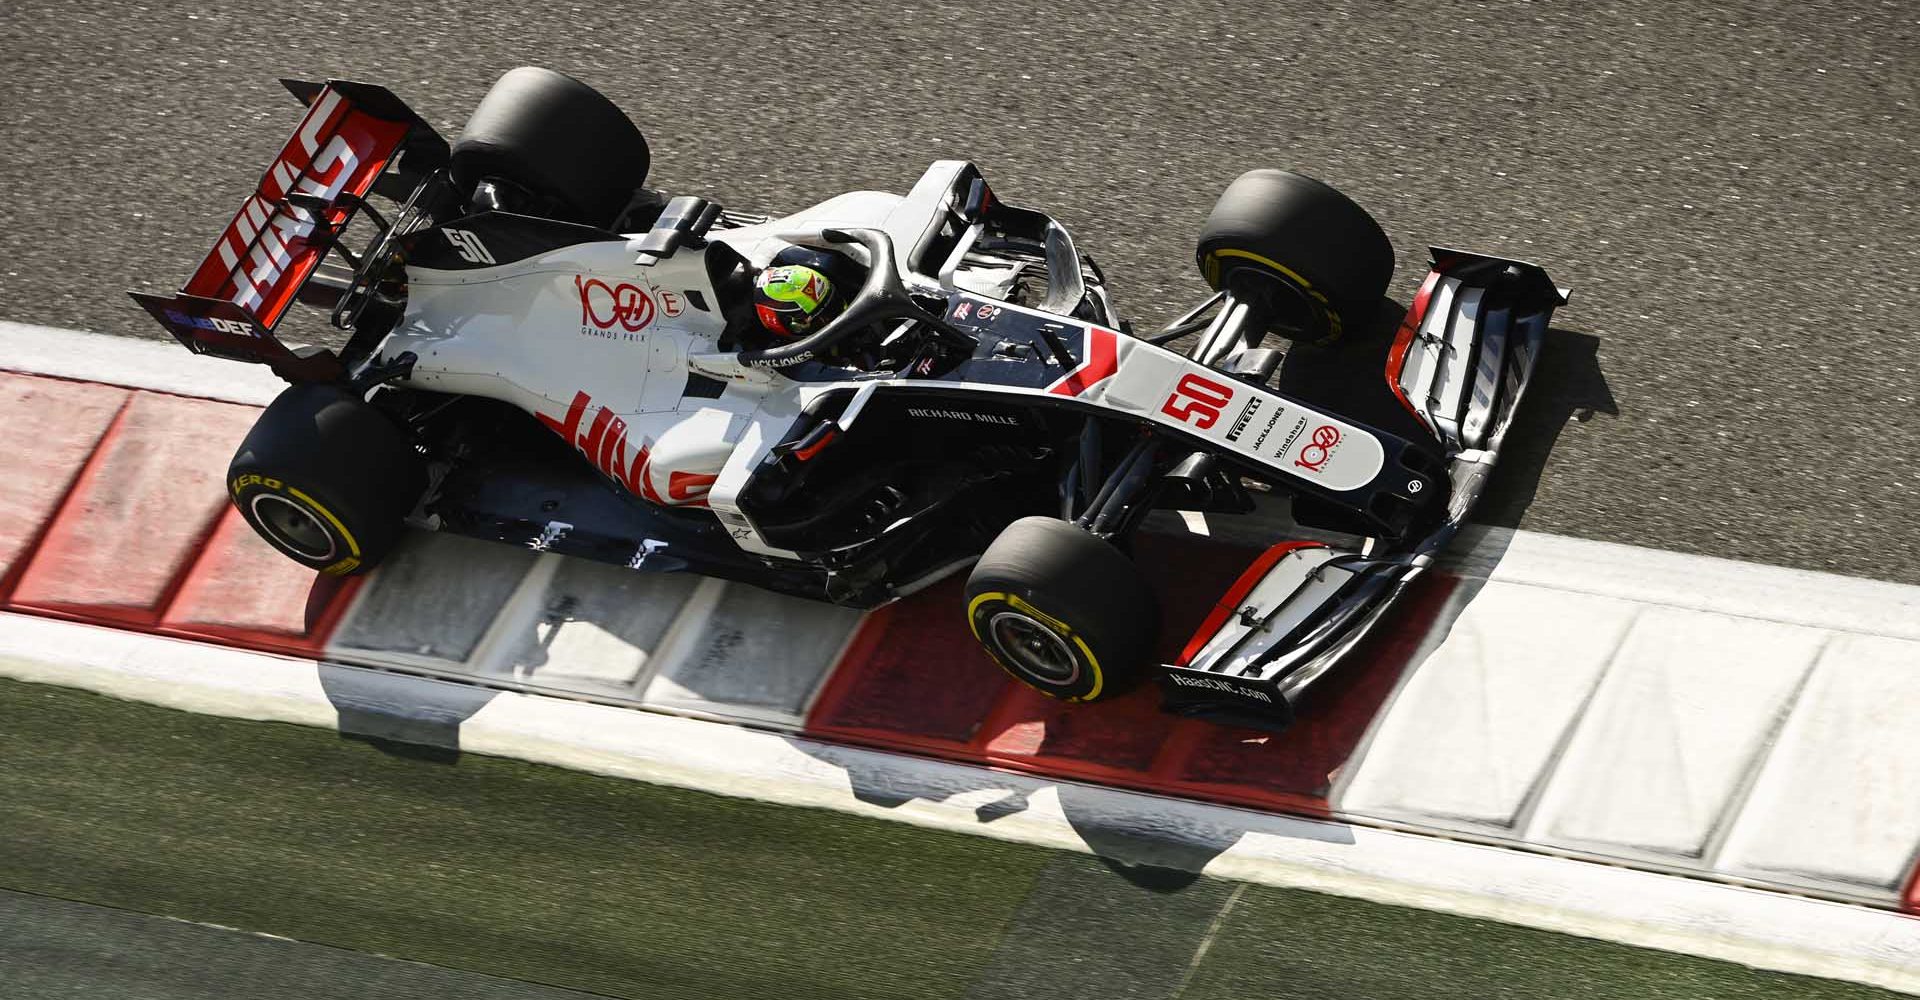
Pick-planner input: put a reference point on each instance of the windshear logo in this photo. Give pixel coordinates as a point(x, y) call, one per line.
point(604, 306)
point(1318, 448)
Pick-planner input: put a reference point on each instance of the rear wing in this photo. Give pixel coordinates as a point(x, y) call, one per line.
point(353, 137)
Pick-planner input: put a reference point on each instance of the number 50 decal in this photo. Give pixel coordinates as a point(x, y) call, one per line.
point(467, 244)
point(1197, 401)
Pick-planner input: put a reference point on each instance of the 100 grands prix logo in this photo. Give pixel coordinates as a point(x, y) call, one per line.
point(620, 311)
point(1318, 448)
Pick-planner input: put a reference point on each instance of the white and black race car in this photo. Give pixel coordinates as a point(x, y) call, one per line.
point(543, 351)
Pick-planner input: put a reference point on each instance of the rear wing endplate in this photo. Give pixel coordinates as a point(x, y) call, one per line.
point(353, 138)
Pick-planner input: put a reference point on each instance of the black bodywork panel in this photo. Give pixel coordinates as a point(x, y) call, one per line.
point(504, 236)
point(1020, 349)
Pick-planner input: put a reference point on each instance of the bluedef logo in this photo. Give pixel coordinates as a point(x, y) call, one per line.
point(217, 325)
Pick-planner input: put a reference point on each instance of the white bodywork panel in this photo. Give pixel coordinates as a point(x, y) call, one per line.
point(600, 349)
point(1238, 417)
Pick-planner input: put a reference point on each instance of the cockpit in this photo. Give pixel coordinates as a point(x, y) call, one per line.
point(949, 236)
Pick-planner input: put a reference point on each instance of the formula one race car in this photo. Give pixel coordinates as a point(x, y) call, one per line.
point(543, 351)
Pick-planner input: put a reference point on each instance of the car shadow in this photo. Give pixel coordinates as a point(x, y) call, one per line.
point(400, 714)
point(1568, 387)
point(1162, 850)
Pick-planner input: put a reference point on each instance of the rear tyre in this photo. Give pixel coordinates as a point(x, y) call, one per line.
point(1273, 231)
point(1062, 611)
point(326, 479)
point(556, 139)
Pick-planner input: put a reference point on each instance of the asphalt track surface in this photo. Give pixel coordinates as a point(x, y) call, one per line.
point(398, 872)
point(1727, 187)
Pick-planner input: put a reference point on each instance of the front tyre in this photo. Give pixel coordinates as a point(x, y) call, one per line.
point(327, 479)
point(1063, 611)
point(1291, 234)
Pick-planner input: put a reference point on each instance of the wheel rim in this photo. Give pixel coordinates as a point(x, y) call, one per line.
point(293, 526)
point(1034, 649)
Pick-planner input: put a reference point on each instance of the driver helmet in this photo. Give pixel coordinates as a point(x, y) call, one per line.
point(801, 290)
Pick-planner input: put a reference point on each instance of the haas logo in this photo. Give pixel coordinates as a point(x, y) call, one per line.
point(604, 306)
point(1318, 448)
point(270, 232)
point(605, 442)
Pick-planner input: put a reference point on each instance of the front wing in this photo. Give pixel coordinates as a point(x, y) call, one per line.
point(1460, 364)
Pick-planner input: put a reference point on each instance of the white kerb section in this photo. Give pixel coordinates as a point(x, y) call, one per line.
point(1749, 722)
point(161, 365)
point(1838, 800)
point(1471, 734)
point(188, 676)
point(513, 617)
point(1684, 722)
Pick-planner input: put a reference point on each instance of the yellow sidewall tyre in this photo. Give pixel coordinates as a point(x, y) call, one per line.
point(327, 479)
point(1062, 611)
point(303, 528)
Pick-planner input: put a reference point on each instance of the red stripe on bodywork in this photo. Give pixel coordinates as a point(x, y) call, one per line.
point(1102, 361)
point(643, 477)
point(571, 426)
point(596, 438)
point(806, 454)
point(1403, 343)
point(689, 487)
point(1230, 602)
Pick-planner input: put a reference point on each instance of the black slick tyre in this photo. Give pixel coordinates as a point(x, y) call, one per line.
point(1277, 231)
point(1063, 611)
point(327, 479)
point(557, 139)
